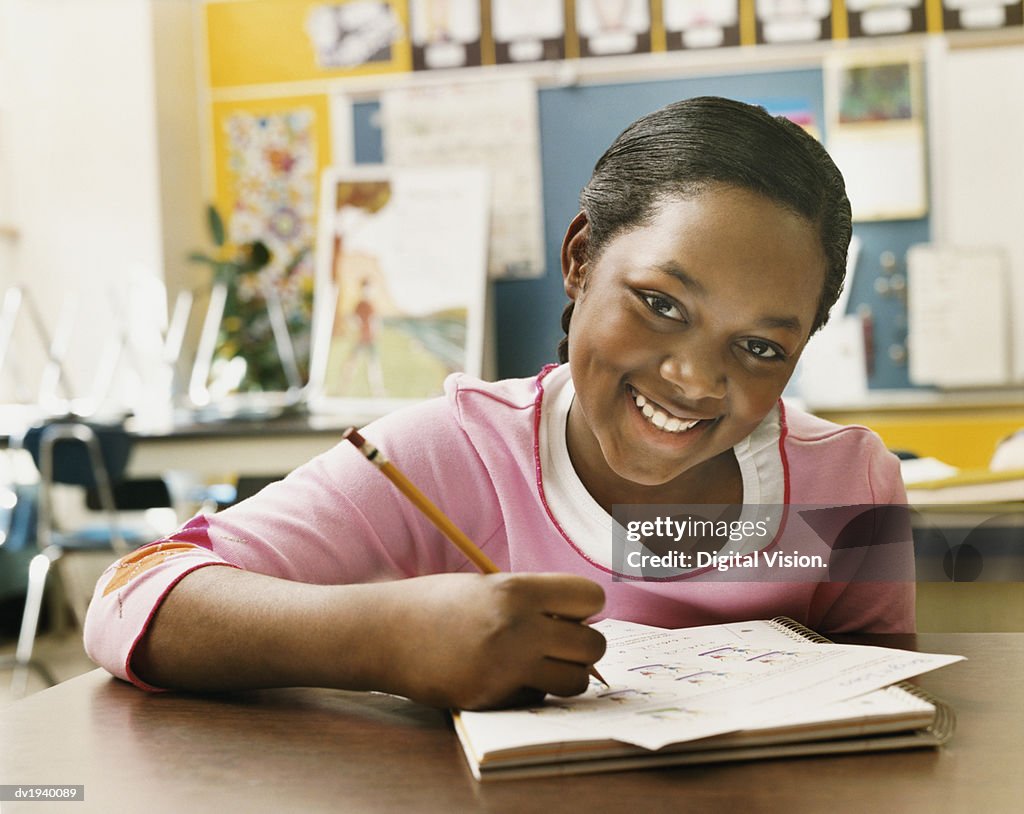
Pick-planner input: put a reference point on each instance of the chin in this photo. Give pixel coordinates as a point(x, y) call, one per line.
point(647, 477)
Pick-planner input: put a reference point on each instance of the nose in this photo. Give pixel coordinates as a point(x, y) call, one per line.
point(696, 372)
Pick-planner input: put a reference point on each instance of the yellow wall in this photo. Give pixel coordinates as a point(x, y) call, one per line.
point(962, 437)
point(265, 42)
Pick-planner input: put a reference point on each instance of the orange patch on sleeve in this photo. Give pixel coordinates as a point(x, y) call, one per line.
point(138, 562)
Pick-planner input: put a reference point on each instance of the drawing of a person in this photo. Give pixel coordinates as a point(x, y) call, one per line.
point(366, 323)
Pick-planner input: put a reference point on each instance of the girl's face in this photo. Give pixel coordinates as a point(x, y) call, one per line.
point(684, 334)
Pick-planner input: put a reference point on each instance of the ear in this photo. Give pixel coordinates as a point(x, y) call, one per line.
point(574, 255)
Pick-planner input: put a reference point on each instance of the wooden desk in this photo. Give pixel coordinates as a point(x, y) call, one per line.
point(321, 750)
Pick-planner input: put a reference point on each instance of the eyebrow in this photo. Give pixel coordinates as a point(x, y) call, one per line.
point(786, 323)
point(672, 269)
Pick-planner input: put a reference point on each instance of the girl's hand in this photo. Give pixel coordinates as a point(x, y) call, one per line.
point(476, 642)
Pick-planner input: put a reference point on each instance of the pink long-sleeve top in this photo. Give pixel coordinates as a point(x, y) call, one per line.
point(493, 457)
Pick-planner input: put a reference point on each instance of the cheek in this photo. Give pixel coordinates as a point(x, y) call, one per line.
point(611, 334)
point(759, 395)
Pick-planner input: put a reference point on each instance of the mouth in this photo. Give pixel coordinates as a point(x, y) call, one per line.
point(662, 418)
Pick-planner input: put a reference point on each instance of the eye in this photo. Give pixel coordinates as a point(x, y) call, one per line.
point(662, 306)
point(760, 349)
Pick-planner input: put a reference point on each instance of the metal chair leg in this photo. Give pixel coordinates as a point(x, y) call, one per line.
point(38, 569)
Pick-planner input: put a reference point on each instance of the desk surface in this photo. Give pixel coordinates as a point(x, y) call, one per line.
point(324, 750)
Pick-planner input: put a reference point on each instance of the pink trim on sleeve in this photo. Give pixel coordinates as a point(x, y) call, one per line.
point(129, 673)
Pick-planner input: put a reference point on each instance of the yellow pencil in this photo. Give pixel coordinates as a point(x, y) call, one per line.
point(430, 510)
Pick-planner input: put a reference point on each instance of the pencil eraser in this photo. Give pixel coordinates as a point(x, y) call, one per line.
point(352, 434)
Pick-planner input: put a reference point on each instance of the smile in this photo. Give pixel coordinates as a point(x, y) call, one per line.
point(661, 418)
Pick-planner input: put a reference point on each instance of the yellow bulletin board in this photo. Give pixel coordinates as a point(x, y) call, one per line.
point(272, 41)
point(269, 156)
point(300, 167)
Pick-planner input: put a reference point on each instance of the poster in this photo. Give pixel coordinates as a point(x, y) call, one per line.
point(401, 275)
point(790, 21)
point(353, 34)
point(445, 33)
point(874, 110)
point(875, 18)
point(968, 15)
point(528, 30)
point(611, 27)
point(691, 24)
point(494, 125)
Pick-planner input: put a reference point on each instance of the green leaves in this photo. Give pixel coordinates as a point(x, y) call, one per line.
point(258, 256)
point(200, 257)
point(216, 224)
point(250, 256)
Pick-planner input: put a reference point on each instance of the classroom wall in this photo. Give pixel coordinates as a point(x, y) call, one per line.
point(577, 123)
point(86, 206)
point(980, 163)
point(582, 109)
point(144, 148)
point(102, 175)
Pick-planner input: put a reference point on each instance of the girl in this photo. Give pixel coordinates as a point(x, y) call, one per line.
point(710, 245)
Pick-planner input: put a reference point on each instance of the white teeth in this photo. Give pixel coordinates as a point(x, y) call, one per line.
point(660, 419)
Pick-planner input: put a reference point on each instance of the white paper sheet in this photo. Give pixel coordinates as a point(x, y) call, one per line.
point(958, 317)
point(493, 125)
point(670, 686)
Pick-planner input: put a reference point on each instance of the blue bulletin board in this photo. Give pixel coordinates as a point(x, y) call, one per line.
point(577, 124)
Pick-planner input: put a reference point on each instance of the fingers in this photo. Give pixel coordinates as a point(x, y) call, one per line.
point(563, 595)
point(570, 641)
point(561, 678)
point(523, 697)
point(532, 640)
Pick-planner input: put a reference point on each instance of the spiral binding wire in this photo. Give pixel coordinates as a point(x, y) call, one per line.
point(942, 727)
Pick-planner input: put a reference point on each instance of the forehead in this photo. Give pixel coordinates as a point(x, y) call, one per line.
point(728, 234)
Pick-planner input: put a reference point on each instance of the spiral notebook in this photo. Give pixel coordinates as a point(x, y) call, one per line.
point(744, 691)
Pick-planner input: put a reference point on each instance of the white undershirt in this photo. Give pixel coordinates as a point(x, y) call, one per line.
point(581, 517)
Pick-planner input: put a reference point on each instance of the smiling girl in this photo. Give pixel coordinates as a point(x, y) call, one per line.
point(710, 245)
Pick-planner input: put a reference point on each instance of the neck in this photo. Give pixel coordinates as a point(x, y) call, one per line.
point(718, 480)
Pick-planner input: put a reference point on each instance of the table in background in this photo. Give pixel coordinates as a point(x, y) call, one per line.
point(270, 447)
point(325, 750)
point(213, 448)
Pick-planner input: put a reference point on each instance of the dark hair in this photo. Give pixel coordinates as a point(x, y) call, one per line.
point(689, 146)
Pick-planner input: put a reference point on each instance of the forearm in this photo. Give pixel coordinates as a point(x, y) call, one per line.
point(223, 628)
point(465, 640)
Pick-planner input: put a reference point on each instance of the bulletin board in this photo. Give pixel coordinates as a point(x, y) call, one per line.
point(976, 111)
point(272, 41)
point(577, 125)
point(294, 49)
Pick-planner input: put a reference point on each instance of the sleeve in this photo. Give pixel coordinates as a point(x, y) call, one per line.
point(881, 599)
point(335, 520)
